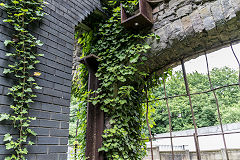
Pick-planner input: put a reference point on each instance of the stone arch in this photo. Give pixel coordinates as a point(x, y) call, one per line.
point(187, 28)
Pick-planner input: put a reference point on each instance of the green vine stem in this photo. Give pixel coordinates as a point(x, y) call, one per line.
point(21, 14)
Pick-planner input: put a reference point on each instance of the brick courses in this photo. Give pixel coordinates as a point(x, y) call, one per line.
point(56, 30)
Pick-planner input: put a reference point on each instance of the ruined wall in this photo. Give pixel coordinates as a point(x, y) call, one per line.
point(188, 27)
point(52, 105)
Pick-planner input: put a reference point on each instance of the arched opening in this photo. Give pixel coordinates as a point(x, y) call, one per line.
point(204, 92)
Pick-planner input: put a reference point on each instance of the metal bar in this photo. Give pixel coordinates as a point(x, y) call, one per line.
point(149, 128)
point(95, 116)
point(192, 94)
point(218, 108)
point(169, 116)
point(75, 149)
point(195, 136)
point(237, 62)
point(193, 116)
point(200, 135)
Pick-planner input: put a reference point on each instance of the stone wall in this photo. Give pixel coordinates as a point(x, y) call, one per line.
point(185, 150)
point(189, 27)
point(234, 154)
point(52, 105)
point(232, 127)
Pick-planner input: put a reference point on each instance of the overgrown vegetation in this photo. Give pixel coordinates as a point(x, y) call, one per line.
point(121, 89)
point(121, 92)
point(21, 14)
point(77, 130)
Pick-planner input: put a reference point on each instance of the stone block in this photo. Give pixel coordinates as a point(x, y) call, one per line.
point(217, 12)
point(37, 149)
point(47, 140)
point(59, 132)
point(187, 25)
point(196, 21)
point(235, 4)
point(174, 3)
point(41, 131)
point(49, 124)
point(47, 157)
point(181, 12)
point(209, 23)
point(177, 31)
point(228, 10)
point(62, 156)
point(57, 149)
point(63, 141)
point(64, 125)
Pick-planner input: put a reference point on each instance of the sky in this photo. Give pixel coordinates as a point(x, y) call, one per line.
point(219, 59)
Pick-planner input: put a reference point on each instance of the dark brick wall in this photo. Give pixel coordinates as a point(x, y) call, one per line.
point(52, 105)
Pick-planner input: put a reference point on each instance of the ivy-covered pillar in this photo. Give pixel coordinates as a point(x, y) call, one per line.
point(95, 116)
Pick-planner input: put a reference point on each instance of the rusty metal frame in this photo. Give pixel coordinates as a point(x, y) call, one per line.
point(236, 60)
point(149, 128)
point(196, 93)
point(188, 94)
point(192, 111)
point(95, 116)
point(140, 20)
point(169, 116)
point(218, 108)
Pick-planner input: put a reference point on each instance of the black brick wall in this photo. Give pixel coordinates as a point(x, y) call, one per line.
point(52, 104)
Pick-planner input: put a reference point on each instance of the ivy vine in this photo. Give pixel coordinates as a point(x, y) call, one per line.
point(80, 95)
point(21, 14)
point(121, 91)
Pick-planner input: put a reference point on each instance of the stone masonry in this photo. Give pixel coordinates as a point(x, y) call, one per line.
point(189, 27)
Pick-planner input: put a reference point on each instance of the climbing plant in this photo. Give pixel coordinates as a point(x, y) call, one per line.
point(78, 119)
point(121, 91)
point(21, 14)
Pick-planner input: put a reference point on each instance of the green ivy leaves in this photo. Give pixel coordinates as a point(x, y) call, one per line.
point(7, 42)
point(20, 15)
point(4, 117)
point(7, 137)
point(120, 92)
point(39, 43)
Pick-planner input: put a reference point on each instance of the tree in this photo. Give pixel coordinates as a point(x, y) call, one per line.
point(204, 105)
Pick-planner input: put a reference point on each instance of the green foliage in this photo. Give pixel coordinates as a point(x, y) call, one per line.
point(78, 120)
point(79, 98)
point(204, 105)
point(21, 13)
point(121, 89)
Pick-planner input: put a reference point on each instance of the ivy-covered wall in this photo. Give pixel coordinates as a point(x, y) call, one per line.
point(184, 26)
point(51, 108)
